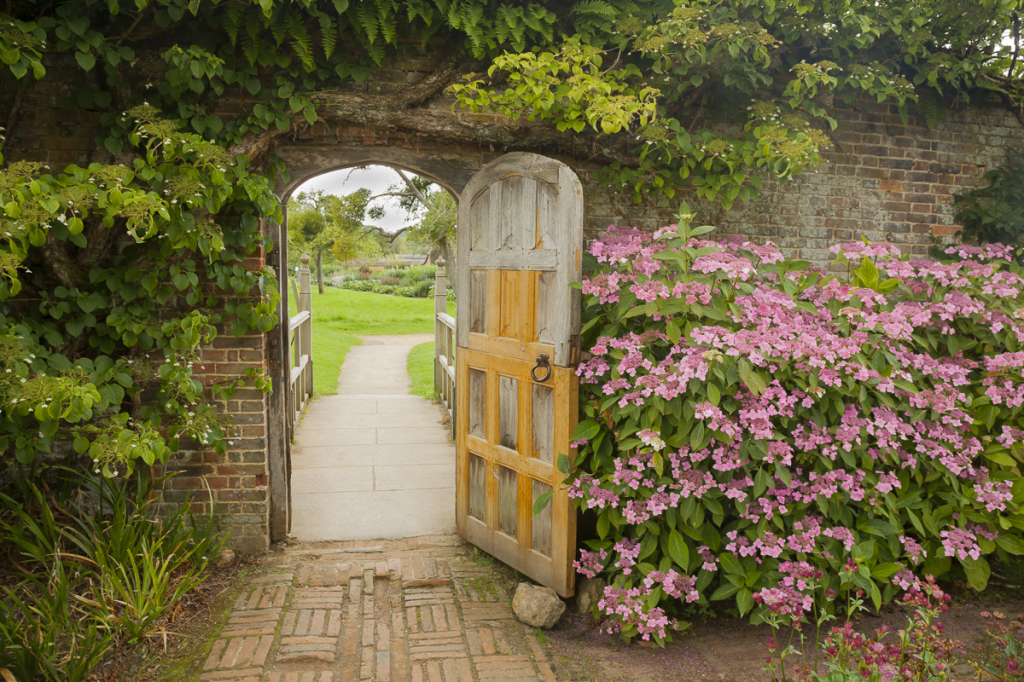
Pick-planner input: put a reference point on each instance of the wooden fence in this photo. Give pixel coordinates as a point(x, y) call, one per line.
point(444, 344)
point(300, 332)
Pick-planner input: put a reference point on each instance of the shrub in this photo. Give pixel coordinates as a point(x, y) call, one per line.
point(744, 414)
point(98, 567)
point(378, 287)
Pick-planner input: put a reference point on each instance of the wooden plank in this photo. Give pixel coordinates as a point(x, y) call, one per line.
point(540, 533)
point(569, 222)
point(496, 217)
point(544, 423)
point(511, 212)
point(477, 403)
point(508, 501)
point(547, 211)
point(477, 487)
point(447, 320)
point(546, 300)
point(519, 212)
point(532, 466)
point(493, 320)
point(279, 423)
point(493, 392)
point(480, 233)
point(508, 413)
point(298, 319)
point(509, 348)
point(514, 259)
point(461, 445)
point(511, 307)
point(478, 301)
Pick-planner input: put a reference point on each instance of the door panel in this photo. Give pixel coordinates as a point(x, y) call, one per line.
point(520, 241)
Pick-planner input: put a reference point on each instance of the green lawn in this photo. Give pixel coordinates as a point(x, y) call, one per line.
point(421, 369)
point(341, 316)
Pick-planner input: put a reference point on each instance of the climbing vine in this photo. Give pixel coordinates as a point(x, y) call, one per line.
point(114, 274)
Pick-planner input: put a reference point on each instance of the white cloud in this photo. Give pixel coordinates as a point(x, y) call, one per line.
point(375, 178)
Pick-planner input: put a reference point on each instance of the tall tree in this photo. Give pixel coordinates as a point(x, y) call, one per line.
point(323, 219)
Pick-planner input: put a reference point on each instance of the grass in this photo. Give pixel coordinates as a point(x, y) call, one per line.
point(340, 317)
point(421, 370)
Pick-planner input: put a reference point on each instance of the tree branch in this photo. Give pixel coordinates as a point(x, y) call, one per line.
point(413, 188)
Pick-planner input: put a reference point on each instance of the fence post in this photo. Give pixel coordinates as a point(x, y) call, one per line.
point(440, 306)
point(306, 329)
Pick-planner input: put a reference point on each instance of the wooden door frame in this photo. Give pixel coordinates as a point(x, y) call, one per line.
point(306, 163)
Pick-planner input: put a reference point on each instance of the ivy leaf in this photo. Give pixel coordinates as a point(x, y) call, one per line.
point(253, 85)
point(86, 60)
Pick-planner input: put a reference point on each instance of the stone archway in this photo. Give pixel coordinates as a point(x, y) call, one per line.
point(450, 166)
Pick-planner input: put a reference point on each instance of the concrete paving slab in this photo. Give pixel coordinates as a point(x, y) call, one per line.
point(332, 404)
point(413, 435)
point(373, 462)
point(306, 457)
point(373, 515)
point(314, 437)
point(413, 476)
point(333, 480)
point(424, 416)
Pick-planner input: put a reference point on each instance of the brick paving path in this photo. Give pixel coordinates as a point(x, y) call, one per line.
point(412, 610)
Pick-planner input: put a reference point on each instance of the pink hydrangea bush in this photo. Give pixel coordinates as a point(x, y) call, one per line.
point(745, 413)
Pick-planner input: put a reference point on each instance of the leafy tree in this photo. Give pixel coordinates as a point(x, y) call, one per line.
point(716, 96)
point(326, 222)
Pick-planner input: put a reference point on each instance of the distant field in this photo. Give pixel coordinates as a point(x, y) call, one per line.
point(340, 317)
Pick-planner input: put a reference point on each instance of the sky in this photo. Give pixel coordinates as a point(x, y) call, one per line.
point(376, 178)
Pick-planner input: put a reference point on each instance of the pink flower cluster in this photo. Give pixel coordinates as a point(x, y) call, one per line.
point(789, 407)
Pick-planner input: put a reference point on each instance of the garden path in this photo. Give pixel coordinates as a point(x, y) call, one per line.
point(412, 610)
point(373, 461)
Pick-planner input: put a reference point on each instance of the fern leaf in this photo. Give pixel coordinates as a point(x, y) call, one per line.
point(506, 19)
point(367, 23)
point(251, 42)
point(233, 15)
point(277, 25)
point(387, 20)
point(300, 40)
point(422, 9)
point(328, 35)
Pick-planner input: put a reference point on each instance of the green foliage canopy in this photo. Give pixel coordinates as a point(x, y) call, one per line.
point(192, 97)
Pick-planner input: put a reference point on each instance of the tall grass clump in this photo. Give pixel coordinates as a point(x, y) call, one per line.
point(92, 568)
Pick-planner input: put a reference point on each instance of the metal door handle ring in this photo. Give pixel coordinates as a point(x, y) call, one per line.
point(542, 361)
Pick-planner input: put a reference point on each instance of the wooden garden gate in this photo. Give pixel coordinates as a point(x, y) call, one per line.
point(520, 237)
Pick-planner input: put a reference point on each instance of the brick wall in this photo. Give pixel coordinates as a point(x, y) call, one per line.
point(883, 180)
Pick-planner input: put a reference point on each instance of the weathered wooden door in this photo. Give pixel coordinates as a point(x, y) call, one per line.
point(520, 240)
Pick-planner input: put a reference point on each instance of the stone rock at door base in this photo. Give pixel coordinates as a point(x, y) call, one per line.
point(225, 559)
point(588, 593)
point(537, 606)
